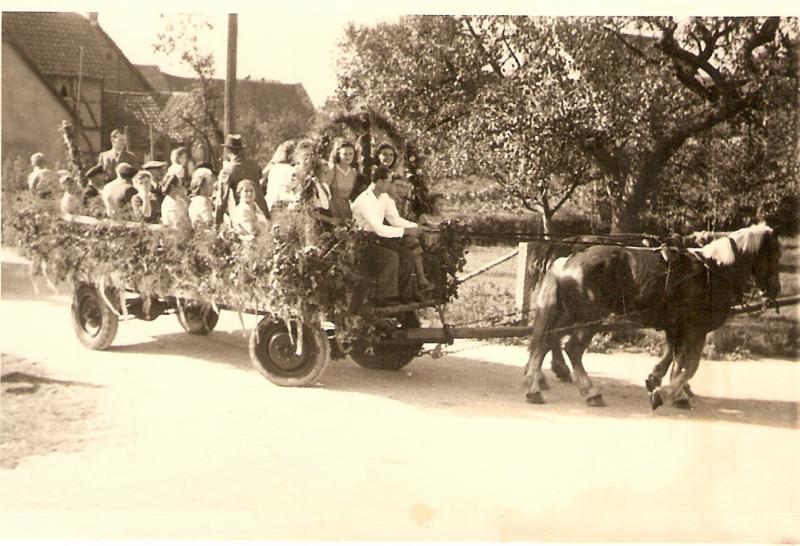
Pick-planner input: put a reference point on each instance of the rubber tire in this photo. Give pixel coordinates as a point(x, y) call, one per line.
point(194, 324)
point(388, 357)
point(315, 357)
point(86, 294)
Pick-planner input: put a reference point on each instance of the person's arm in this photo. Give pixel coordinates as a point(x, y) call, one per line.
point(373, 218)
point(393, 216)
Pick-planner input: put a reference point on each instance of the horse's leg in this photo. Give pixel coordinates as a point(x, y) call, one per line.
point(544, 316)
point(689, 350)
point(575, 348)
point(534, 377)
point(557, 363)
point(653, 380)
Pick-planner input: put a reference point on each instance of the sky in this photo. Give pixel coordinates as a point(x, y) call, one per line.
point(295, 40)
point(286, 47)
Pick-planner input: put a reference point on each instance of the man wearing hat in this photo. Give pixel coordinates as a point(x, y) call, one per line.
point(118, 153)
point(235, 169)
point(118, 193)
point(92, 193)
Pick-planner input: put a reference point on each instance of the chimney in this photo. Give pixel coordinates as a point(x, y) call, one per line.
point(93, 18)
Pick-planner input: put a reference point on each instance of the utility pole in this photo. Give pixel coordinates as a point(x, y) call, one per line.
point(230, 75)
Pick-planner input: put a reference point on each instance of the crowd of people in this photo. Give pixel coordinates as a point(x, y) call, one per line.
point(249, 199)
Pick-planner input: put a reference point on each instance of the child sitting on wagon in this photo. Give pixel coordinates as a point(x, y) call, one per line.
point(144, 205)
point(70, 201)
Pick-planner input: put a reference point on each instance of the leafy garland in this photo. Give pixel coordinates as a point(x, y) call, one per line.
point(291, 271)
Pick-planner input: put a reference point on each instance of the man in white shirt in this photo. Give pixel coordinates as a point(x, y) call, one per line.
point(385, 254)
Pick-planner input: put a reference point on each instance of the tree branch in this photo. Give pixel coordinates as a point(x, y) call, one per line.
point(479, 41)
point(636, 51)
point(763, 36)
point(533, 207)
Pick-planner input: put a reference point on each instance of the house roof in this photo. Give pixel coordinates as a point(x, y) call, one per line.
point(53, 41)
point(265, 97)
point(139, 111)
point(155, 77)
point(64, 44)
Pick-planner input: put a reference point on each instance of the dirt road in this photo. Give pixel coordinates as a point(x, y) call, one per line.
point(186, 440)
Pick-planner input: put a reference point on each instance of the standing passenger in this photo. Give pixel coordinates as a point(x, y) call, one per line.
point(344, 179)
point(118, 153)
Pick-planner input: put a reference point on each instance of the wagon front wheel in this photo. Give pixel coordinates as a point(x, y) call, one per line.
point(94, 323)
point(274, 352)
point(388, 357)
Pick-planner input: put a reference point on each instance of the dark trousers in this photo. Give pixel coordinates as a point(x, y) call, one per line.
point(392, 263)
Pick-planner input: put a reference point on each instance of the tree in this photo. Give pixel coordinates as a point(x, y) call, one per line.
point(198, 116)
point(546, 104)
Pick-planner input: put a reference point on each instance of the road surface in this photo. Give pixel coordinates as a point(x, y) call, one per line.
point(185, 440)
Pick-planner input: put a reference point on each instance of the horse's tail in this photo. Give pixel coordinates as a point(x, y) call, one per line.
point(545, 308)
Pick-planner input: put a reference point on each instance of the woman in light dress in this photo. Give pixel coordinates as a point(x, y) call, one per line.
point(201, 211)
point(344, 179)
point(174, 208)
point(247, 219)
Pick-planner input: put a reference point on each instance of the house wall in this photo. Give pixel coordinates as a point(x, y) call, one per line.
point(31, 115)
point(91, 119)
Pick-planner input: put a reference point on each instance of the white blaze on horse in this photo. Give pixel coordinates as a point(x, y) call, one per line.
point(687, 297)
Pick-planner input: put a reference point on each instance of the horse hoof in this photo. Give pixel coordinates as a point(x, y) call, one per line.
point(688, 390)
point(656, 400)
point(682, 404)
point(534, 398)
point(651, 383)
point(564, 378)
point(543, 384)
point(596, 401)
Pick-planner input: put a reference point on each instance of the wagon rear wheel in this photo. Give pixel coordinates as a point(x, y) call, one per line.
point(388, 357)
point(273, 352)
point(197, 318)
point(94, 323)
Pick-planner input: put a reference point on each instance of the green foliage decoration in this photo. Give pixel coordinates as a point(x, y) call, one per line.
point(294, 270)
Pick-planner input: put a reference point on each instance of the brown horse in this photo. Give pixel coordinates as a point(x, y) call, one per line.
point(686, 296)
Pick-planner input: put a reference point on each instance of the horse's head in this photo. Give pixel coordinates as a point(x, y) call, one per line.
point(766, 264)
point(760, 243)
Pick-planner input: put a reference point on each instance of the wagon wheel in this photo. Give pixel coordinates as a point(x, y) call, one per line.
point(198, 318)
point(388, 357)
point(94, 323)
point(273, 352)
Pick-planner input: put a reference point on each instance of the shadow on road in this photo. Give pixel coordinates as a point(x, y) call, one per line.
point(474, 387)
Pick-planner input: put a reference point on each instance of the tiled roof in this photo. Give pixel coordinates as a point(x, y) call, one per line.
point(264, 96)
point(53, 41)
point(136, 110)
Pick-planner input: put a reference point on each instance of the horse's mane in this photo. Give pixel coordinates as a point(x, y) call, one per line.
point(747, 240)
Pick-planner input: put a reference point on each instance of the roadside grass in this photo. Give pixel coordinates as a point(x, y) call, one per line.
point(484, 300)
point(40, 415)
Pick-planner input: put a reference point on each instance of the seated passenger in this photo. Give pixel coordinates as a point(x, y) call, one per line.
point(247, 219)
point(174, 211)
point(384, 253)
point(118, 193)
point(201, 211)
point(144, 205)
point(70, 201)
point(42, 182)
point(399, 195)
point(434, 217)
